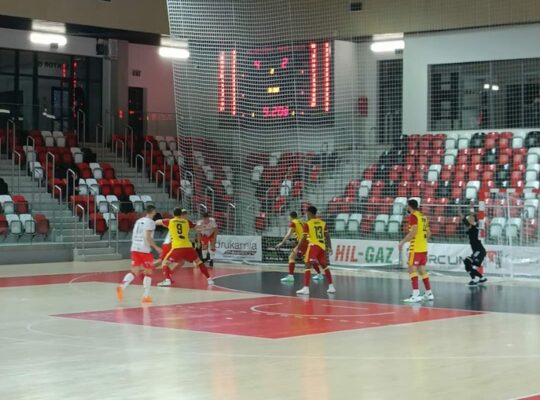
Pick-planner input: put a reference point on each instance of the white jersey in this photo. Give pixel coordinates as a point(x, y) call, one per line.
point(207, 228)
point(167, 239)
point(138, 242)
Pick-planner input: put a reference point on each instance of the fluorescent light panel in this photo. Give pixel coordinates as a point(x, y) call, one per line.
point(174, 52)
point(387, 46)
point(48, 26)
point(48, 38)
point(388, 36)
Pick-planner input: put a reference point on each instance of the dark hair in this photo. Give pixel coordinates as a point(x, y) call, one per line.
point(177, 211)
point(312, 210)
point(205, 215)
point(150, 208)
point(413, 204)
point(293, 214)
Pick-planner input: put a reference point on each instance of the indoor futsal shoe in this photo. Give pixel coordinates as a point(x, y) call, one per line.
point(304, 291)
point(429, 296)
point(482, 280)
point(331, 289)
point(210, 282)
point(472, 283)
point(413, 299)
point(318, 277)
point(120, 293)
point(146, 300)
point(165, 283)
point(288, 279)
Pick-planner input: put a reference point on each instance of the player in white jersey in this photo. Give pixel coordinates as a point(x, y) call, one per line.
point(207, 231)
point(142, 243)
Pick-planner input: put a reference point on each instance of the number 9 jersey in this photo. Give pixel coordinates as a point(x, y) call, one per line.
point(179, 231)
point(316, 231)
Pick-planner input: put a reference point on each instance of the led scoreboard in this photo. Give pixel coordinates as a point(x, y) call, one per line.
point(277, 83)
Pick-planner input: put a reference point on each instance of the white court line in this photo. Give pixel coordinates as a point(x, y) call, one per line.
point(255, 309)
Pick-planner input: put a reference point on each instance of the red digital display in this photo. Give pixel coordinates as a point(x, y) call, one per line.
point(313, 75)
point(221, 80)
point(233, 83)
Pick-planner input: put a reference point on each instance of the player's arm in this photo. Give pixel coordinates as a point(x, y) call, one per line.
point(162, 222)
point(304, 239)
point(287, 236)
point(409, 236)
point(150, 240)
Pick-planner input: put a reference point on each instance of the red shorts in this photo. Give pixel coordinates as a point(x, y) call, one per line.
point(301, 250)
point(142, 260)
point(316, 255)
point(165, 249)
point(179, 255)
point(206, 240)
point(417, 259)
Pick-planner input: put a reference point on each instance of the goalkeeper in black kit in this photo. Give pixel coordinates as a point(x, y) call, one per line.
point(474, 262)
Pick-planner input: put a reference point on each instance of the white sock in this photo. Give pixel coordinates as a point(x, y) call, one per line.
point(416, 292)
point(204, 254)
point(212, 254)
point(147, 282)
point(127, 279)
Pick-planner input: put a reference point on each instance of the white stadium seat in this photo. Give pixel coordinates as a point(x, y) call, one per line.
point(450, 143)
point(364, 189)
point(341, 222)
point(354, 223)
point(7, 204)
point(400, 204)
point(394, 223)
point(512, 229)
point(531, 174)
point(138, 204)
point(530, 208)
point(496, 228)
point(257, 173)
point(28, 224)
point(471, 190)
point(380, 223)
point(450, 157)
point(15, 224)
point(102, 204)
point(463, 142)
point(433, 172)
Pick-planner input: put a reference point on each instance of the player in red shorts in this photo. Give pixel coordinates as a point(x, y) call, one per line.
point(142, 243)
point(319, 244)
point(207, 231)
point(165, 249)
point(418, 236)
point(182, 249)
point(296, 229)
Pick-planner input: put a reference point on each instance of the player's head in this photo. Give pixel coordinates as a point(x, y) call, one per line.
point(412, 205)
point(150, 211)
point(293, 215)
point(311, 212)
point(205, 216)
point(472, 219)
point(179, 212)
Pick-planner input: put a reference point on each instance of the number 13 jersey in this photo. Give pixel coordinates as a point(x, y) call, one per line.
point(419, 243)
point(179, 231)
point(316, 230)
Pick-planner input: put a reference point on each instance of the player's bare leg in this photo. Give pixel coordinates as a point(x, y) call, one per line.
point(204, 270)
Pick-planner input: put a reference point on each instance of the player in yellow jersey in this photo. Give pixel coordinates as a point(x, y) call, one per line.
point(182, 248)
point(296, 230)
point(418, 237)
point(319, 244)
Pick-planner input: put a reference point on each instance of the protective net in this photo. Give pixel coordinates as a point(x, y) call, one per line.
point(287, 103)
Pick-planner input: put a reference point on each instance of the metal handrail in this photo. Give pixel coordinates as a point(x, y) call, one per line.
point(78, 206)
point(201, 205)
point(99, 127)
point(160, 172)
point(79, 112)
point(231, 206)
point(206, 190)
point(54, 210)
point(115, 149)
point(138, 177)
point(50, 155)
point(31, 139)
point(192, 181)
point(184, 191)
point(69, 173)
point(10, 123)
point(171, 180)
point(151, 153)
point(15, 152)
point(116, 211)
point(60, 190)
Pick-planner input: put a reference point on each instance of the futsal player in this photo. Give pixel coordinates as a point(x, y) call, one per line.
point(182, 248)
point(473, 263)
point(167, 270)
point(142, 243)
point(207, 231)
point(296, 230)
point(418, 236)
point(318, 245)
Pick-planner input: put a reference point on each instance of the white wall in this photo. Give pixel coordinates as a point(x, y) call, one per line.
point(421, 50)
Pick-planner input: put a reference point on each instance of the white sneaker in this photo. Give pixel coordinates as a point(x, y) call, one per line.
point(331, 289)
point(165, 283)
point(210, 282)
point(413, 299)
point(318, 277)
point(429, 296)
point(304, 291)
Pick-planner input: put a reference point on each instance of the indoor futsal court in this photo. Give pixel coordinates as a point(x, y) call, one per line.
point(269, 200)
point(65, 336)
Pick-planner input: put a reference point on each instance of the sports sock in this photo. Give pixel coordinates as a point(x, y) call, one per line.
point(414, 280)
point(292, 265)
point(147, 283)
point(307, 276)
point(127, 279)
point(204, 270)
point(317, 268)
point(204, 254)
point(328, 275)
point(427, 283)
point(167, 273)
point(212, 254)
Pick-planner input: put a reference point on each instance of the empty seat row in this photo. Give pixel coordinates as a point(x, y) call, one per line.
point(23, 224)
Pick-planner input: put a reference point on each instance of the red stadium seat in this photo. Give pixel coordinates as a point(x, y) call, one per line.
point(298, 189)
point(260, 222)
point(403, 189)
point(352, 188)
point(42, 224)
point(20, 203)
point(366, 226)
point(394, 174)
point(452, 225)
point(430, 189)
point(437, 225)
point(369, 172)
point(373, 205)
point(100, 223)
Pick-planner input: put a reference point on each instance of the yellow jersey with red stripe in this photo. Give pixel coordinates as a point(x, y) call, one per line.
point(298, 227)
point(315, 230)
point(179, 230)
point(419, 243)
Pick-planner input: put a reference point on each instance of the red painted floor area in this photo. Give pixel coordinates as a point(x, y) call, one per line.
point(186, 278)
point(271, 317)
